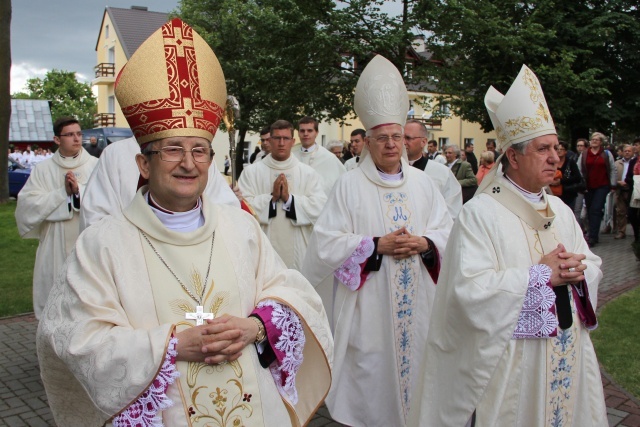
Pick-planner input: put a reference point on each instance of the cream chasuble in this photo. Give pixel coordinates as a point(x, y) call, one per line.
point(106, 328)
point(322, 161)
point(43, 213)
point(381, 328)
point(289, 237)
point(473, 362)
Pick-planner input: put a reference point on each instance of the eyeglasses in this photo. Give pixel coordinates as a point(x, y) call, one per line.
point(72, 134)
point(383, 139)
point(176, 154)
point(410, 138)
point(280, 138)
point(264, 139)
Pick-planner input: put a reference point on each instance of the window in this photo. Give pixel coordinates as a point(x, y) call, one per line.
point(324, 140)
point(408, 70)
point(443, 142)
point(112, 104)
point(445, 109)
point(106, 31)
point(468, 141)
point(112, 55)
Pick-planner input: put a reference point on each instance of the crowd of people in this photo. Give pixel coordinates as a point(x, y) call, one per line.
point(29, 157)
point(166, 297)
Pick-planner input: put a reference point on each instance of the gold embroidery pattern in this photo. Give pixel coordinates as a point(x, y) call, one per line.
point(230, 405)
point(523, 124)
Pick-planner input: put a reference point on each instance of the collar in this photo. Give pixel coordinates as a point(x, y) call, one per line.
point(450, 165)
point(311, 149)
point(391, 177)
point(531, 197)
point(177, 221)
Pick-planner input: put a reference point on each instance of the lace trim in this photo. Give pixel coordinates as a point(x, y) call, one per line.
point(349, 272)
point(143, 412)
point(537, 318)
point(291, 343)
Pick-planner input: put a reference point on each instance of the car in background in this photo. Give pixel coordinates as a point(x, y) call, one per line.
point(18, 175)
point(105, 136)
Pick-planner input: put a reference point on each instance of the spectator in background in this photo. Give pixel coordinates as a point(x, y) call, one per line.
point(264, 143)
point(622, 194)
point(471, 157)
point(491, 146)
point(633, 212)
point(252, 157)
point(597, 166)
point(433, 154)
point(570, 180)
point(462, 171)
point(227, 164)
point(93, 147)
point(357, 144)
point(486, 163)
point(336, 147)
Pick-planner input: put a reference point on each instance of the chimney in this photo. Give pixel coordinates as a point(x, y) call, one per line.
point(145, 8)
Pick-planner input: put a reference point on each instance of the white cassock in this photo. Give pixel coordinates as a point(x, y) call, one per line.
point(381, 328)
point(45, 212)
point(352, 163)
point(288, 236)
point(448, 185)
point(108, 325)
point(474, 359)
point(322, 161)
point(115, 178)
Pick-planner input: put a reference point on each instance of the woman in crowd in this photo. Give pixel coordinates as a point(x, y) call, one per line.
point(570, 181)
point(598, 169)
point(486, 163)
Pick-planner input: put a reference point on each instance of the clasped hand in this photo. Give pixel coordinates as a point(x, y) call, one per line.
point(71, 184)
point(402, 244)
point(280, 189)
point(220, 340)
point(560, 261)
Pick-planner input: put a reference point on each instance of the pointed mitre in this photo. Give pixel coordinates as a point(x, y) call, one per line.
point(522, 114)
point(173, 85)
point(381, 96)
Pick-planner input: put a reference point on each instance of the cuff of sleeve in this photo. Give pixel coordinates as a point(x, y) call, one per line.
point(537, 318)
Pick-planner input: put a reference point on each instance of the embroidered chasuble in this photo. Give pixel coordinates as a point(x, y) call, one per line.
point(475, 361)
point(380, 329)
point(45, 212)
point(288, 236)
point(322, 161)
point(106, 330)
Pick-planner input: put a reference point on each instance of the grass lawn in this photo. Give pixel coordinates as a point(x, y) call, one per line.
point(16, 265)
point(617, 340)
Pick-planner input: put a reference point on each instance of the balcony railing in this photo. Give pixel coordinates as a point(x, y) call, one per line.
point(429, 123)
point(102, 120)
point(106, 69)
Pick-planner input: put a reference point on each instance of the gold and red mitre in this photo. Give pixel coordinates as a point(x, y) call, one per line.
point(173, 85)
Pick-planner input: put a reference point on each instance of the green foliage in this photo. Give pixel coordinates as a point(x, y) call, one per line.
point(584, 53)
point(617, 341)
point(68, 96)
point(17, 257)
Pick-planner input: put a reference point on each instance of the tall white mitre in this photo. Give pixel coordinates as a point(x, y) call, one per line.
point(381, 97)
point(522, 114)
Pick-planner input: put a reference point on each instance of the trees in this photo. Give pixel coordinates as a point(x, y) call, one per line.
point(5, 97)
point(583, 52)
point(284, 59)
point(68, 96)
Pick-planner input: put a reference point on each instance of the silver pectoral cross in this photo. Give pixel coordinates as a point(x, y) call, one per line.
point(199, 316)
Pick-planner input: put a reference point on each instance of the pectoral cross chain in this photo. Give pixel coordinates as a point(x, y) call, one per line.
point(199, 316)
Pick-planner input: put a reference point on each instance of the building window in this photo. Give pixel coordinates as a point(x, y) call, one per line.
point(112, 104)
point(112, 55)
point(106, 31)
point(445, 109)
point(408, 70)
point(468, 141)
point(443, 142)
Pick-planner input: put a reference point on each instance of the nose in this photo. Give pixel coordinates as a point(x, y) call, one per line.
point(554, 158)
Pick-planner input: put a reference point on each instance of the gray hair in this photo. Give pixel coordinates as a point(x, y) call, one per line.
point(520, 147)
point(335, 143)
point(456, 149)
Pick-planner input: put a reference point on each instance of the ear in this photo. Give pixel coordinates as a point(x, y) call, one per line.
point(511, 155)
point(367, 142)
point(56, 140)
point(143, 165)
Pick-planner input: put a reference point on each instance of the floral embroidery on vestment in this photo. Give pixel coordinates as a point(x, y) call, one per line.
point(288, 349)
point(349, 272)
point(143, 412)
point(537, 318)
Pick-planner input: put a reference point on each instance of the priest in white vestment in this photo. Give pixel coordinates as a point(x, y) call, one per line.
point(380, 238)
point(179, 312)
point(319, 158)
point(415, 139)
point(49, 204)
point(114, 182)
point(286, 196)
point(357, 144)
point(509, 339)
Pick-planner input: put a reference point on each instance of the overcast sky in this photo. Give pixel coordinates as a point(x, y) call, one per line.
point(61, 34)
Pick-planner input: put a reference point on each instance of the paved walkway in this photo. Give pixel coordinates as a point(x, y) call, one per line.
point(24, 403)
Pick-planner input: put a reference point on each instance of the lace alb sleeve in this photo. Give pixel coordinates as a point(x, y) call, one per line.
point(144, 411)
point(350, 272)
point(537, 318)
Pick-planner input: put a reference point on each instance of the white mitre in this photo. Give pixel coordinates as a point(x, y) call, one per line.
point(522, 114)
point(381, 96)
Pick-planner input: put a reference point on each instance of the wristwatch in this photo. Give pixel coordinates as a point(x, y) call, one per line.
point(262, 334)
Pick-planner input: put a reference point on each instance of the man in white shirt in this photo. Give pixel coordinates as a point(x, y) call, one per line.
point(432, 152)
point(357, 144)
point(319, 158)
